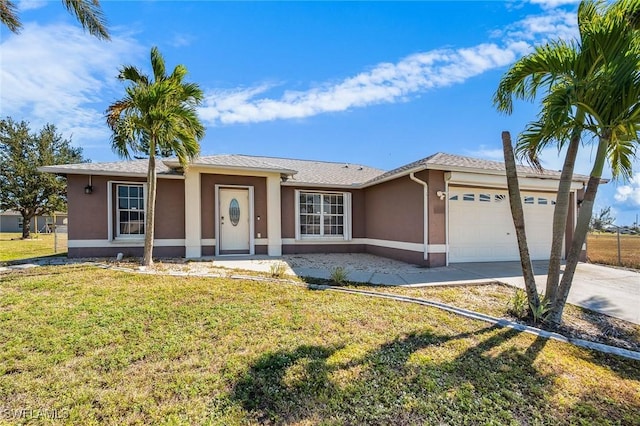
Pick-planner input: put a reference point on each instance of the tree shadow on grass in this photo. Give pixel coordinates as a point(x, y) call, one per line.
point(419, 378)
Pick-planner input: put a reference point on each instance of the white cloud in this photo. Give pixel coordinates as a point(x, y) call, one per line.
point(387, 82)
point(31, 4)
point(630, 193)
point(58, 74)
point(551, 4)
point(181, 40)
point(483, 151)
point(552, 25)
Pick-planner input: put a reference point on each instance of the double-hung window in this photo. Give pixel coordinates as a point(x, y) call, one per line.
point(130, 210)
point(323, 215)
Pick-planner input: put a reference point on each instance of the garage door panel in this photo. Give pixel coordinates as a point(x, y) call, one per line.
point(481, 227)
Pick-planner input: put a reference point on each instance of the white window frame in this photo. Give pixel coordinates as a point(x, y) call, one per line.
point(112, 211)
point(347, 215)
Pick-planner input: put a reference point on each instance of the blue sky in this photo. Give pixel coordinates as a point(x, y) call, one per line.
point(376, 83)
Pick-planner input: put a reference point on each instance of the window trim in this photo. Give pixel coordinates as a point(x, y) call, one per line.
point(347, 216)
point(112, 220)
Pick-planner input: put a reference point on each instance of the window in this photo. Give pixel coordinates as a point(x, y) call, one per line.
point(469, 197)
point(542, 200)
point(323, 214)
point(130, 210)
point(529, 200)
point(499, 198)
point(453, 198)
point(485, 198)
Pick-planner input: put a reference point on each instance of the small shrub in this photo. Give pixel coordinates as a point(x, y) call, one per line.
point(339, 275)
point(540, 312)
point(518, 305)
point(278, 269)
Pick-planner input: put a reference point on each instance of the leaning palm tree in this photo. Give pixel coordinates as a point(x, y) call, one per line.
point(547, 68)
point(88, 12)
point(577, 76)
point(156, 118)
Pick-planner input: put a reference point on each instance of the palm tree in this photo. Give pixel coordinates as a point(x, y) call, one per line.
point(515, 203)
point(578, 77)
point(156, 117)
point(88, 12)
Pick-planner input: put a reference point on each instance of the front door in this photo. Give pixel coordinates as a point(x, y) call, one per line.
point(233, 212)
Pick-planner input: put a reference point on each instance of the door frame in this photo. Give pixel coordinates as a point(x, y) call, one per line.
point(219, 187)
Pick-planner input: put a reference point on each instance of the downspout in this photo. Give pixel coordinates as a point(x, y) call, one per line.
point(447, 178)
point(425, 190)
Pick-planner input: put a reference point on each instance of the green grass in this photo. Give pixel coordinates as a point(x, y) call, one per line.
point(12, 248)
point(102, 346)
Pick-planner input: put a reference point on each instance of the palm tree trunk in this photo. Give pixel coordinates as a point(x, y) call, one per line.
point(147, 259)
point(518, 220)
point(580, 233)
point(560, 214)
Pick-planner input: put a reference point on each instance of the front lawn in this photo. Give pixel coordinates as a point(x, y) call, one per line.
point(101, 346)
point(13, 248)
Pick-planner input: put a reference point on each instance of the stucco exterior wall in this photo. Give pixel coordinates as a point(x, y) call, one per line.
point(158, 252)
point(88, 215)
point(169, 218)
point(394, 211)
point(437, 216)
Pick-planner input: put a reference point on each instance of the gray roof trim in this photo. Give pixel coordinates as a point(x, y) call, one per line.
point(391, 176)
point(320, 185)
point(69, 171)
point(230, 167)
point(458, 163)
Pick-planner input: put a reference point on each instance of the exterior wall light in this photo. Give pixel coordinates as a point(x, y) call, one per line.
point(89, 188)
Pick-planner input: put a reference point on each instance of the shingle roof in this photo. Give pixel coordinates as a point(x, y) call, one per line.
point(306, 172)
point(450, 162)
point(313, 172)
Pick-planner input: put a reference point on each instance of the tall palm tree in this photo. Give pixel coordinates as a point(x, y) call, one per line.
point(88, 12)
point(515, 203)
point(156, 117)
point(578, 77)
point(549, 67)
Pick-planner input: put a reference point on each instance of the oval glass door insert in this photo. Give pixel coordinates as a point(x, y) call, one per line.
point(234, 212)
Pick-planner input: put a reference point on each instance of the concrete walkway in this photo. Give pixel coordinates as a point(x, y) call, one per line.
point(615, 292)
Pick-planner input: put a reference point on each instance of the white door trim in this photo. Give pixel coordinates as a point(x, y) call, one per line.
point(218, 187)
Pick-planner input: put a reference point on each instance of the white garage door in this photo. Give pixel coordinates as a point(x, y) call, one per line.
point(481, 228)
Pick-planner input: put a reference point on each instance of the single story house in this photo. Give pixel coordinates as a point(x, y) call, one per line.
point(11, 221)
point(440, 209)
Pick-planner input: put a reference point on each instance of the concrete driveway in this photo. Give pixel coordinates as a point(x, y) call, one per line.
point(612, 291)
point(615, 292)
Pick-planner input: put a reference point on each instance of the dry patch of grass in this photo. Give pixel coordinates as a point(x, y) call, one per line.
point(603, 248)
point(495, 299)
point(103, 346)
point(13, 248)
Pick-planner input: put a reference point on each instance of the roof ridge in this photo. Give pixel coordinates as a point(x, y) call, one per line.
point(295, 159)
